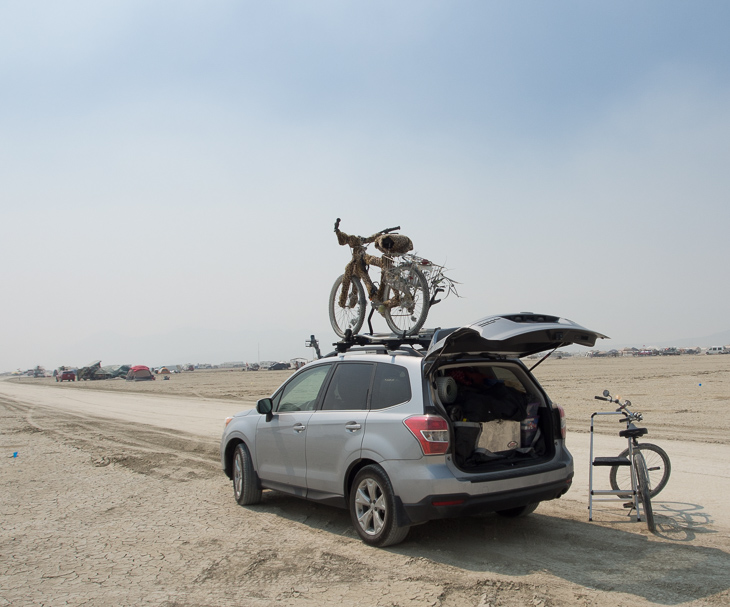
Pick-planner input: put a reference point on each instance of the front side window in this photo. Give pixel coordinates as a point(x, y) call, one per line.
point(392, 386)
point(300, 394)
point(348, 390)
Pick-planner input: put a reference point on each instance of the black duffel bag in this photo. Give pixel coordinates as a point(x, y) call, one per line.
point(494, 402)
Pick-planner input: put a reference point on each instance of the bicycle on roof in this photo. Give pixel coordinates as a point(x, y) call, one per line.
point(409, 285)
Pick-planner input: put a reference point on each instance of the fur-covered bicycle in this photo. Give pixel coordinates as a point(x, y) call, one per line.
point(409, 285)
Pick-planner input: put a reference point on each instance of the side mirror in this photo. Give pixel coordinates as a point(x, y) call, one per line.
point(265, 407)
point(606, 393)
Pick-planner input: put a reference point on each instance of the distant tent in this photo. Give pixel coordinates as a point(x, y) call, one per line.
point(164, 371)
point(139, 373)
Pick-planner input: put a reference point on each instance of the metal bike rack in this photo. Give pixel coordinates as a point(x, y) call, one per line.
point(609, 462)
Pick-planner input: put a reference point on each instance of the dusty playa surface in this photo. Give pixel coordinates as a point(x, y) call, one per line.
point(100, 508)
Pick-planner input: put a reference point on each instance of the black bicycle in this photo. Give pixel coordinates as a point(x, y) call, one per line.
point(657, 461)
point(643, 466)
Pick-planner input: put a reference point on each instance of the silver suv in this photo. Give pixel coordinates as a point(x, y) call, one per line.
point(405, 430)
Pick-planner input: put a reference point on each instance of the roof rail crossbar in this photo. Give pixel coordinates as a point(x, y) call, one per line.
point(389, 341)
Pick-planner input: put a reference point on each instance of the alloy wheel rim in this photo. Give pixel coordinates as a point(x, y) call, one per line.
point(370, 507)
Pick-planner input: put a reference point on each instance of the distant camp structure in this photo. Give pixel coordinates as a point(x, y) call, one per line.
point(140, 373)
point(94, 371)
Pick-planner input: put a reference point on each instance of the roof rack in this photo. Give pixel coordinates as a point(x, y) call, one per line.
point(390, 341)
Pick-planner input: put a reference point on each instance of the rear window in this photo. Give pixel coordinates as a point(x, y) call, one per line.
point(348, 390)
point(392, 386)
point(508, 378)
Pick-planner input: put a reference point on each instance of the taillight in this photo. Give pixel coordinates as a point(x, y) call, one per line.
point(563, 422)
point(431, 432)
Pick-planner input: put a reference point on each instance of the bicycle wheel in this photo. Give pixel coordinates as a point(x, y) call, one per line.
point(412, 288)
point(642, 486)
point(658, 468)
point(353, 314)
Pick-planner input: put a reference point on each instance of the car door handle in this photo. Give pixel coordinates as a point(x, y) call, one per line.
point(352, 426)
point(299, 427)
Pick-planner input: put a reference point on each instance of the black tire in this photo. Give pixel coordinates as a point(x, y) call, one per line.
point(642, 486)
point(353, 314)
point(246, 488)
point(519, 512)
point(409, 317)
point(373, 508)
point(658, 468)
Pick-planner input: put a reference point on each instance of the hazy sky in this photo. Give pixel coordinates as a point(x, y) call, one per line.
point(170, 171)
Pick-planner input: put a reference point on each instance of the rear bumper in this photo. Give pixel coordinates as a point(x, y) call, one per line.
point(462, 504)
point(430, 488)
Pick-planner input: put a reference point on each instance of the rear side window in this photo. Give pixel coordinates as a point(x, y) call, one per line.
point(392, 386)
point(348, 390)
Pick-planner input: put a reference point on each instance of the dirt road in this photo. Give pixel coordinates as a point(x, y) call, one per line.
point(118, 499)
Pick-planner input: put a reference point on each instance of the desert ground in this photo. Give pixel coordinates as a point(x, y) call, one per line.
point(111, 493)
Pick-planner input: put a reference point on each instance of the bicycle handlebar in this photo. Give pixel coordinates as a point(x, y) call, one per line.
point(623, 407)
point(387, 231)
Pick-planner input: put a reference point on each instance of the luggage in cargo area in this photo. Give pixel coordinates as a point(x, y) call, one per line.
point(496, 414)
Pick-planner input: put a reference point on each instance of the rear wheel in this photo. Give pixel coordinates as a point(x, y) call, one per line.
point(642, 486)
point(245, 482)
point(372, 508)
point(408, 284)
point(353, 314)
point(658, 469)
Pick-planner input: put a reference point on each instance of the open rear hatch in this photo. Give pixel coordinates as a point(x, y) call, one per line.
point(511, 335)
point(500, 416)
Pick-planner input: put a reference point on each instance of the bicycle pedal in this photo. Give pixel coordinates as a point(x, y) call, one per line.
point(629, 505)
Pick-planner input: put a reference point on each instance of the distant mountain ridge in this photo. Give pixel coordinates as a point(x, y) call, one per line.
point(716, 339)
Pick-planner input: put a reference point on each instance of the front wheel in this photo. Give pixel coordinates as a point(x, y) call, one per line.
point(409, 286)
point(352, 315)
point(658, 469)
point(245, 482)
point(642, 486)
point(372, 508)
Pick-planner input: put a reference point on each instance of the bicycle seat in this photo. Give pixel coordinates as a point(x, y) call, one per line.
point(633, 432)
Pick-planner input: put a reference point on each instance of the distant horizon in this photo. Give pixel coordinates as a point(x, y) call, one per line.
point(721, 338)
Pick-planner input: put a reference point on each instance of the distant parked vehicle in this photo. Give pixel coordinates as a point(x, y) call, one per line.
point(718, 350)
point(65, 375)
point(670, 352)
point(279, 366)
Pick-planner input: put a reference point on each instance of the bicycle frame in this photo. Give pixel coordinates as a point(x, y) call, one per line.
point(409, 284)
